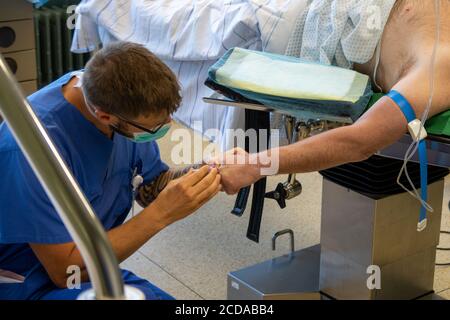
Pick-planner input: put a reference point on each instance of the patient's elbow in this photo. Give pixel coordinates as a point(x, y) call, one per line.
point(364, 153)
point(362, 150)
point(360, 144)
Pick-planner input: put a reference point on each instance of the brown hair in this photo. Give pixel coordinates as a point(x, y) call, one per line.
point(128, 80)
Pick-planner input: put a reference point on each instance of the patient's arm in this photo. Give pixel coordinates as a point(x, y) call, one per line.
point(379, 128)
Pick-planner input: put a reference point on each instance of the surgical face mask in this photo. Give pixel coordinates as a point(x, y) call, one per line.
point(145, 137)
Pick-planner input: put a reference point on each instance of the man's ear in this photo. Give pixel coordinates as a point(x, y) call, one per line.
point(105, 118)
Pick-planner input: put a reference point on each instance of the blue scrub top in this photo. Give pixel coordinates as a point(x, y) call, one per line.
point(103, 168)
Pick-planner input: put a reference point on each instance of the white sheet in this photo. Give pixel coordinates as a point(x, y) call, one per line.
point(190, 35)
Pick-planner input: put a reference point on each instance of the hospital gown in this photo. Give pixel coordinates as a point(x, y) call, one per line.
point(340, 32)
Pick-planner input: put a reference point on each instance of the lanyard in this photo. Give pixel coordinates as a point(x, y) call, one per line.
point(419, 135)
point(136, 181)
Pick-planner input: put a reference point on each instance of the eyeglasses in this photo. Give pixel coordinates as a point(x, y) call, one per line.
point(134, 124)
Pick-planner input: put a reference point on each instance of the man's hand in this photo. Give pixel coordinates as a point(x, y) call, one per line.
point(147, 193)
point(185, 195)
point(238, 169)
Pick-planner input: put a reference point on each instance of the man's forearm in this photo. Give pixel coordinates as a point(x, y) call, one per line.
point(127, 238)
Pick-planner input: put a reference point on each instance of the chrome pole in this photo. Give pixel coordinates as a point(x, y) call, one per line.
point(61, 187)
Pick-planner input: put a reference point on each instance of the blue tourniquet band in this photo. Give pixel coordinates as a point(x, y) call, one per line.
point(410, 116)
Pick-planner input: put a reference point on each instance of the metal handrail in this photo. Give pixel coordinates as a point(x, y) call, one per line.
point(61, 187)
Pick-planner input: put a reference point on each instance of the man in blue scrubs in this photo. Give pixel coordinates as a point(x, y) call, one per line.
point(104, 122)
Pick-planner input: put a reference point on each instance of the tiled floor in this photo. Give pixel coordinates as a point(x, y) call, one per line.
point(191, 259)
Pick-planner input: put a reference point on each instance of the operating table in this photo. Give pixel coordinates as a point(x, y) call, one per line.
point(367, 222)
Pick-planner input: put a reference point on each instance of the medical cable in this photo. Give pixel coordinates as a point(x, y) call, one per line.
point(377, 65)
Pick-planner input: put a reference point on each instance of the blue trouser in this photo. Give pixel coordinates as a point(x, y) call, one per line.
point(51, 292)
point(151, 292)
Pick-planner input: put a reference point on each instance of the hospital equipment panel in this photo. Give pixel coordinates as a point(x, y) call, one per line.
point(17, 41)
point(21, 10)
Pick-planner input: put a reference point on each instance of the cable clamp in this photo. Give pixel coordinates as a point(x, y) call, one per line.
point(422, 225)
point(417, 130)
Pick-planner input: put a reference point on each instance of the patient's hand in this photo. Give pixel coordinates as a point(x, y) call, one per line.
point(236, 170)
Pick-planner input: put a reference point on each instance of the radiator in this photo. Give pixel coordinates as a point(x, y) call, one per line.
point(53, 42)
